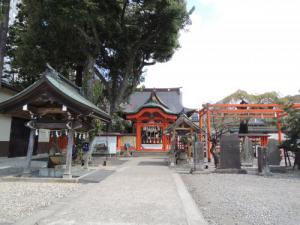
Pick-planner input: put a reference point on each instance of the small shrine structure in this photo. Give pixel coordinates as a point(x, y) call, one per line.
point(183, 127)
point(53, 103)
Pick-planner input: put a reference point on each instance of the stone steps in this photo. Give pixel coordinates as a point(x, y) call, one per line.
point(150, 153)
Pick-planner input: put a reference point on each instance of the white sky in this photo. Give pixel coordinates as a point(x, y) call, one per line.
point(253, 45)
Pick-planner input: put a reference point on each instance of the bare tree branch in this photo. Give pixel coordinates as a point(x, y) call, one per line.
point(101, 77)
point(149, 63)
point(125, 3)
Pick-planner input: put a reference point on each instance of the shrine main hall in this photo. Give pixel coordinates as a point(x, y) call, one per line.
point(151, 111)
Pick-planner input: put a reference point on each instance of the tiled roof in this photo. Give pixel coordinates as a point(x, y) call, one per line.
point(169, 98)
point(183, 119)
point(63, 88)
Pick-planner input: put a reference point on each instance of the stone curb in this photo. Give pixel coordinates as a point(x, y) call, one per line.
point(46, 179)
point(39, 180)
point(192, 212)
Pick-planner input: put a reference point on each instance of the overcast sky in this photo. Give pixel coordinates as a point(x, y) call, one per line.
point(253, 45)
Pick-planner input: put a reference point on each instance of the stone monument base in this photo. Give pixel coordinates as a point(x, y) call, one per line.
point(277, 169)
point(51, 172)
point(233, 171)
point(247, 164)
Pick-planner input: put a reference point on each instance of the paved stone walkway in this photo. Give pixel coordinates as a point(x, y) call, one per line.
point(143, 191)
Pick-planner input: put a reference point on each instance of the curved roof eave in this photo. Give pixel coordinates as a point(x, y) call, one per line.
point(79, 100)
point(59, 88)
point(153, 106)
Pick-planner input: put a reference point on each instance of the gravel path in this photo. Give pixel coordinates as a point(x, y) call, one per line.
point(236, 199)
point(21, 199)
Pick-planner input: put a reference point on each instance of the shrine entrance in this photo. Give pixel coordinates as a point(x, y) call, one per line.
point(149, 123)
point(152, 136)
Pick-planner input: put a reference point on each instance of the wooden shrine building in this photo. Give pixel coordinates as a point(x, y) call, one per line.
point(53, 103)
point(182, 129)
point(151, 111)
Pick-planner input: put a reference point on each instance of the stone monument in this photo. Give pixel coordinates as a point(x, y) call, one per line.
point(230, 152)
point(263, 167)
point(273, 153)
point(198, 155)
point(247, 152)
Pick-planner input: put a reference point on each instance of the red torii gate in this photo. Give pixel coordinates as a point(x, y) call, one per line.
point(239, 111)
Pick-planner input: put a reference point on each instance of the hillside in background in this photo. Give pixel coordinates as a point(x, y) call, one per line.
point(265, 98)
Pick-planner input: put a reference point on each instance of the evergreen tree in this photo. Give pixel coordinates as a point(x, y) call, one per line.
point(111, 39)
point(4, 19)
point(292, 131)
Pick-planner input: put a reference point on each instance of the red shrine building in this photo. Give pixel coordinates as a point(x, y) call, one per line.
point(151, 111)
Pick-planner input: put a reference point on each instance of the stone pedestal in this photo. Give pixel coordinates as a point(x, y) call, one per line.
point(230, 152)
point(182, 158)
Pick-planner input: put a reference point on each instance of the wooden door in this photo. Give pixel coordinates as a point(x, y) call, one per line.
point(19, 138)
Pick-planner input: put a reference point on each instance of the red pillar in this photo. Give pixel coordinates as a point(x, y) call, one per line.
point(164, 138)
point(264, 141)
point(168, 143)
point(279, 128)
point(119, 147)
point(138, 136)
point(208, 135)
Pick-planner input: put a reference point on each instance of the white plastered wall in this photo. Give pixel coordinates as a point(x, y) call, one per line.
point(5, 120)
point(5, 123)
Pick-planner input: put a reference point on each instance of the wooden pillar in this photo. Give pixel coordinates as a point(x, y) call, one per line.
point(201, 126)
point(208, 144)
point(173, 141)
point(173, 144)
point(68, 173)
point(138, 136)
point(29, 152)
point(88, 154)
point(279, 128)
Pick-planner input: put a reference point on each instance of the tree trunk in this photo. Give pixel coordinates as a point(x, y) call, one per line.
point(214, 153)
point(3, 33)
point(216, 157)
point(79, 75)
point(297, 160)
